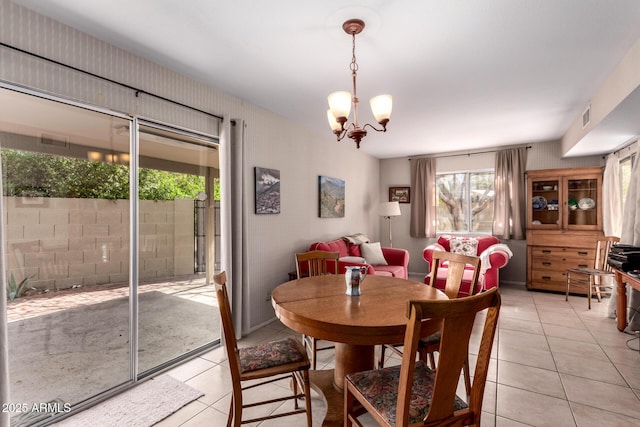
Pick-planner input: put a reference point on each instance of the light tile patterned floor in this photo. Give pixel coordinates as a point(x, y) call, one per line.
point(555, 364)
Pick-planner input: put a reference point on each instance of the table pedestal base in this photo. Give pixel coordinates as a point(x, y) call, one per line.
point(322, 383)
point(330, 383)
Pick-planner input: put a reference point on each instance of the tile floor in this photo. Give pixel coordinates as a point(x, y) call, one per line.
point(555, 364)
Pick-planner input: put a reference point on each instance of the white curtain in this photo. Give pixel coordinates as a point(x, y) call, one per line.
point(611, 198)
point(238, 231)
point(231, 219)
point(630, 235)
point(4, 327)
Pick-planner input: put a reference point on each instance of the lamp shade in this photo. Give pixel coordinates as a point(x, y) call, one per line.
point(335, 126)
point(381, 107)
point(340, 104)
point(389, 209)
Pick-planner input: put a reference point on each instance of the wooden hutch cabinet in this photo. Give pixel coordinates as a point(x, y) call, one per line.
point(564, 220)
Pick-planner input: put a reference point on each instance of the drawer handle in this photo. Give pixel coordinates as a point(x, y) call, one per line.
point(546, 277)
point(583, 266)
point(546, 264)
point(546, 251)
point(583, 253)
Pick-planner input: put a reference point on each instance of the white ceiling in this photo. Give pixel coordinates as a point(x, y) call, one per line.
point(464, 74)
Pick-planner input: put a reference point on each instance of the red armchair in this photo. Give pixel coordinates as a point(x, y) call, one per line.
point(493, 256)
point(397, 259)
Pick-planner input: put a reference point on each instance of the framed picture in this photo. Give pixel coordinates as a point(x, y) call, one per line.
point(267, 193)
point(330, 197)
point(400, 194)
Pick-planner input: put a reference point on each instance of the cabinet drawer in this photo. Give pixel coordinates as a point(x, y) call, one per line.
point(548, 264)
point(559, 263)
point(554, 251)
point(550, 277)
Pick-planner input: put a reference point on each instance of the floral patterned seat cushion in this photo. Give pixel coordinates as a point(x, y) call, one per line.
point(273, 353)
point(380, 388)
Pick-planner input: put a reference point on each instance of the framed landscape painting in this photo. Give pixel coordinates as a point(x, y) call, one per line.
point(330, 197)
point(400, 194)
point(267, 193)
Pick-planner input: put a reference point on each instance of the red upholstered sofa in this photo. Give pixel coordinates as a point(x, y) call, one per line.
point(493, 256)
point(397, 259)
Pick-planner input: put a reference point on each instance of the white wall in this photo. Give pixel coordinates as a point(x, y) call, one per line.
point(396, 172)
point(271, 141)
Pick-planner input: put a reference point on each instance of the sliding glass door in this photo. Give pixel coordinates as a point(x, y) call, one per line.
point(177, 178)
point(65, 174)
point(109, 245)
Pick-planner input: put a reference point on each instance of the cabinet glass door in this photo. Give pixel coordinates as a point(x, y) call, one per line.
point(544, 203)
point(582, 202)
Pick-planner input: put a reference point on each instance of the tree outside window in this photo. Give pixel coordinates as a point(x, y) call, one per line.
point(465, 202)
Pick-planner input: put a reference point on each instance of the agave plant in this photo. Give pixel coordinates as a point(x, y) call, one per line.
point(16, 290)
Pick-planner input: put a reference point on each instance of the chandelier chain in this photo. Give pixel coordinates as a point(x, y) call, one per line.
point(354, 64)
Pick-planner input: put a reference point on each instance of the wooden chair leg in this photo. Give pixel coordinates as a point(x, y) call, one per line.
point(566, 296)
point(349, 402)
point(596, 285)
point(467, 378)
point(381, 359)
point(307, 395)
point(314, 349)
point(590, 291)
point(294, 389)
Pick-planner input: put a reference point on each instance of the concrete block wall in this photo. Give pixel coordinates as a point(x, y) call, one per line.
point(61, 243)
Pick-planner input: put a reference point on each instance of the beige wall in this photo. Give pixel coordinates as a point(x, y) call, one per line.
point(61, 243)
point(270, 141)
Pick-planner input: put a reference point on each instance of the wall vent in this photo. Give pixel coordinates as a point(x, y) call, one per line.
point(586, 117)
point(54, 140)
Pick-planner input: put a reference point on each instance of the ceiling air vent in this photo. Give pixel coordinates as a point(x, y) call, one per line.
point(586, 117)
point(55, 141)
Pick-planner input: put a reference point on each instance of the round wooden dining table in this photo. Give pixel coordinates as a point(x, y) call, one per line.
point(319, 307)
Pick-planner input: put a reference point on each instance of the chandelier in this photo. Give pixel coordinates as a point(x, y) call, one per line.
point(340, 102)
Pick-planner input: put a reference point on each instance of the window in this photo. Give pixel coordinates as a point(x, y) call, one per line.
point(465, 202)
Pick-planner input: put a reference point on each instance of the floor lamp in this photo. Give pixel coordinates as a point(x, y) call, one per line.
point(388, 210)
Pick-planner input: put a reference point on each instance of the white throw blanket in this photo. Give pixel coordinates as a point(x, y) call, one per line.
point(356, 239)
point(485, 262)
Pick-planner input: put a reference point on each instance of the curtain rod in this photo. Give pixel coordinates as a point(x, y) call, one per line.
point(463, 154)
point(136, 90)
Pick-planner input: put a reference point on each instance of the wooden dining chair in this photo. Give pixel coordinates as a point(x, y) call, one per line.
point(593, 278)
point(316, 263)
point(268, 362)
point(412, 394)
point(455, 266)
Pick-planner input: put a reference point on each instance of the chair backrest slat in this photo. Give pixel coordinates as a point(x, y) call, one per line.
point(456, 264)
point(458, 319)
point(317, 263)
point(603, 247)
